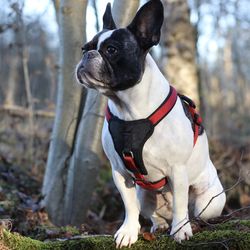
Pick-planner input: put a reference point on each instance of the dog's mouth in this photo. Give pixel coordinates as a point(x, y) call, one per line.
point(89, 81)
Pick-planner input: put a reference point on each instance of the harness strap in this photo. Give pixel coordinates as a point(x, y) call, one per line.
point(197, 121)
point(196, 117)
point(139, 178)
point(160, 112)
point(164, 108)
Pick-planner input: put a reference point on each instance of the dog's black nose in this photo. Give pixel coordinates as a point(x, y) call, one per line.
point(89, 55)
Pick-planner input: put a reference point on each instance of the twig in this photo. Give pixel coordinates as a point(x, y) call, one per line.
point(223, 243)
point(77, 237)
point(235, 211)
point(28, 89)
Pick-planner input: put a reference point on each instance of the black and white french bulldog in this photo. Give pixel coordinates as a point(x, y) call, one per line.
point(116, 63)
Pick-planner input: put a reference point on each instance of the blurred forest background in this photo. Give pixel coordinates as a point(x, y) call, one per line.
point(204, 51)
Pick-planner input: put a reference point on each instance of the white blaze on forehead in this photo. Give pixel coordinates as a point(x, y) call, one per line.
point(103, 37)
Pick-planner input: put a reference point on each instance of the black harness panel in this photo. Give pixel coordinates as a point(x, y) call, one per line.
point(129, 137)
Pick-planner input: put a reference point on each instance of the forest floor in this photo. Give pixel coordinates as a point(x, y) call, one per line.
point(22, 164)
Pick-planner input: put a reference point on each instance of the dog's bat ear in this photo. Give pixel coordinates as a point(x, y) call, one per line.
point(146, 26)
point(108, 21)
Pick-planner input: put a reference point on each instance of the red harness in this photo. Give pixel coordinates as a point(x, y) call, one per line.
point(155, 118)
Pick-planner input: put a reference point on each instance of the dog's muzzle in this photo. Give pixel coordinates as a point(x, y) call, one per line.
point(87, 66)
point(90, 71)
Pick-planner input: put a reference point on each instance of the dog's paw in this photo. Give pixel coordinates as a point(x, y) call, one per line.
point(127, 235)
point(181, 231)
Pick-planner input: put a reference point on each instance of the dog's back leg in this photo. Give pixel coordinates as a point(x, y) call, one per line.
point(156, 206)
point(210, 202)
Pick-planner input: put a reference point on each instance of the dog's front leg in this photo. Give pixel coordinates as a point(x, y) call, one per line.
point(128, 232)
point(181, 228)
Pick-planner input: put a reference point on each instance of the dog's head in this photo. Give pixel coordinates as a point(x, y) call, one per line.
point(114, 59)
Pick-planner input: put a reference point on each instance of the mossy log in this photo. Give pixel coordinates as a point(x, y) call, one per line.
point(230, 235)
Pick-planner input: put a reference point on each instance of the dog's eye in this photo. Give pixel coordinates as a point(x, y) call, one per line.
point(111, 50)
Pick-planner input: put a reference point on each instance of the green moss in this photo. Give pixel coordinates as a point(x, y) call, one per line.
point(231, 235)
point(70, 229)
point(17, 242)
point(244, 222)
point(235, 224)
point(220, 239)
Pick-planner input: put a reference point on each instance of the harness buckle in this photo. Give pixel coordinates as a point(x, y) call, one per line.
point(127, 153)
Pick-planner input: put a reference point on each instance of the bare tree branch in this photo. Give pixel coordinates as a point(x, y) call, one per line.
point(20, 111)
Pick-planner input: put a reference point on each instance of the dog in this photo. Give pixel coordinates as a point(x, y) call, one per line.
point(157, 147)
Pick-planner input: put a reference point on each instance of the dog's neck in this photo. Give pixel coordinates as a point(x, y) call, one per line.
point(144, 98)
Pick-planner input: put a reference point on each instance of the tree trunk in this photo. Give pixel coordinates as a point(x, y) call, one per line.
point(86, 160)
point(179, 48)
point(69, 107)
point(87, 157)
point(57, 9)
point(124, 11)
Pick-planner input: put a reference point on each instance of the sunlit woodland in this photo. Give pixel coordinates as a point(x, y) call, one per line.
point(55, 180)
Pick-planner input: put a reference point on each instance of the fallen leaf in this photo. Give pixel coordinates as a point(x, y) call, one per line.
point(148, 236)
